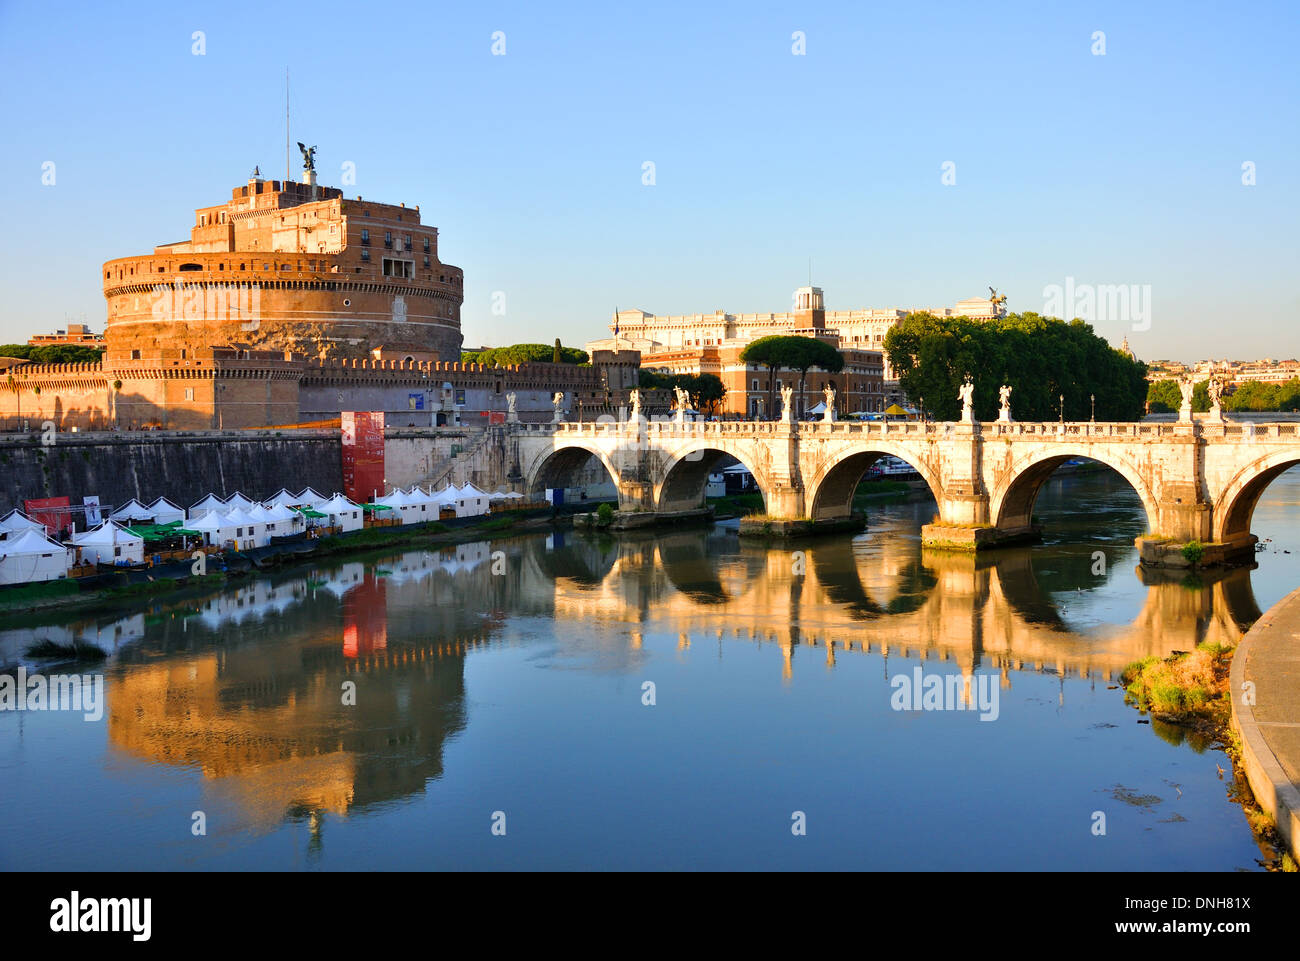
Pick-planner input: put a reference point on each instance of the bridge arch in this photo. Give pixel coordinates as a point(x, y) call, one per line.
point(829, 492)
point(686, 468)
point(556, 466)
point(1235, 507)
point(1011, 503)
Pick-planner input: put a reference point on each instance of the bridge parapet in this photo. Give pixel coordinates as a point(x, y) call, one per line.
point(1197, 481)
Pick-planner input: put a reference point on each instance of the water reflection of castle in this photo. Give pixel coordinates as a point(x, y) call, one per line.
point(246, 686)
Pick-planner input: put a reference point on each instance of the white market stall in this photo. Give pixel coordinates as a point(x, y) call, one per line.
point(343, 513)
point(164, 511)
point(132, 512)
point(472, 502)
point(30, 556)
point(214, 527)
point(110, 543)
point(210, 503)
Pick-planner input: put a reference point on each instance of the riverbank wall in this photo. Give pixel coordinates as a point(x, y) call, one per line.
point(1265, 687)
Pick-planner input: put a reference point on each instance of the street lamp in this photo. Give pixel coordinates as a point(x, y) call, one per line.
point(1093, 418)
point(1061, 398)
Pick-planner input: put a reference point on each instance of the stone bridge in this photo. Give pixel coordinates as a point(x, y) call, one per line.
point(1199, 481)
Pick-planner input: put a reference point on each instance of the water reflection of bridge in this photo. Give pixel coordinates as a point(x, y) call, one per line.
point(979, 614)
point(245, 686)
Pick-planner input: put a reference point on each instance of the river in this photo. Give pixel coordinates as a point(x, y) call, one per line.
point(674, 701)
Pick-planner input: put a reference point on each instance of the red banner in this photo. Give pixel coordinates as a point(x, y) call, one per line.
point(363, 454)
point(53, 512)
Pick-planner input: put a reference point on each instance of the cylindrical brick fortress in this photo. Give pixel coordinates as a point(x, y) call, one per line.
point(290, 266)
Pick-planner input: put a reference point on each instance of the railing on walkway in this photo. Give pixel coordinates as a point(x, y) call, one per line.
point(1121, 431)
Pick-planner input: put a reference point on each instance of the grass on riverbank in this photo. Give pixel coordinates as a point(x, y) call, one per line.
point(1188, 693)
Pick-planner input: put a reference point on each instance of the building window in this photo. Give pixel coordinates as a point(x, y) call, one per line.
point(135, 355)
point(365, 254)
point(189, 393)
point(365, 237)
point(388, 239)
point(426, 245)
point(426, 262)
point(398, 268)
point(407, 242)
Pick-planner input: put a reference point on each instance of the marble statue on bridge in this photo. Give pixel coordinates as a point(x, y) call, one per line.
point(829, 393)
point(1004, 395)
point(512, 415)
point(965, 392)
point(635, 397)
point(1215, 390)
point(557, 401)
point(1186, 386)
point(787, 404)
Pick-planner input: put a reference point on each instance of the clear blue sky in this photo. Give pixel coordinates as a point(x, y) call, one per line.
point(1117, 169)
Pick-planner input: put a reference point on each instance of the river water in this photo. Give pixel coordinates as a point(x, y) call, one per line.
point(685, 700)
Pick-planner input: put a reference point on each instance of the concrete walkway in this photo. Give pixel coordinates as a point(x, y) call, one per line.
point(1269, 659)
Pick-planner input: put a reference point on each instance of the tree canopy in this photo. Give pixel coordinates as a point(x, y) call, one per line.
point(524, 354)
point(705, 390)
point(53, 353)
point(1165, 397)
point(792, 352)
point(1041, 358)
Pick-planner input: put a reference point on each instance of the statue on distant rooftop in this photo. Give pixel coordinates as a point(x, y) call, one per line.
point(308, 156)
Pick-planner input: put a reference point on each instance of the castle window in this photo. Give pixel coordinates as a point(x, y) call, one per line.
point(407, 241)
point(426, 262)
point(426, 245)
point(365, 254)
point(135, 355)
point(388, 239)
point(346, 302)
point(365, 236)
point(189, 393)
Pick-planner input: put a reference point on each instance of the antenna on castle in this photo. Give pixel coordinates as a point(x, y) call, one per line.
point(288, 166)
point(809, 271)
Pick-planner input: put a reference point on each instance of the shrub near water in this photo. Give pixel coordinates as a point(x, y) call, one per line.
point(1191, 683)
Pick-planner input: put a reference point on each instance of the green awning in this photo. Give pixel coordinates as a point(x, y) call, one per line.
point(308, 512)
point(376, 507)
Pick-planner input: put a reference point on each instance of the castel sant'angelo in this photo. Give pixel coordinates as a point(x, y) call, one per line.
point(287, 304)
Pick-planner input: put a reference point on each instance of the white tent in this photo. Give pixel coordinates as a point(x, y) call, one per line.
point(497, 496)
point(164, 511)
point(17, 522)
point(283, 498)
point(309, 498)
point(214, 526)
point(262, 515)
point(110, 543)
point(447, 497)
point(31, 556)
point(286, 521)
point(423, 504)
point(210, 503)
point(343, 513)
point(238, 501)
point(471, 502)
point(131, 512)
point(249, 531)
point(407, 510)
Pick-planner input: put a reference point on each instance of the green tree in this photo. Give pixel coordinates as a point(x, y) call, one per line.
point(791, 352)
point(1042, 358)
point(1164, 396)
point(524, 354)
point(53, 353)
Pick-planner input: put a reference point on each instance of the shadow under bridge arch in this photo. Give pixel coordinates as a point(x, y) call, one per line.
point(570, 465)
point(686, 476)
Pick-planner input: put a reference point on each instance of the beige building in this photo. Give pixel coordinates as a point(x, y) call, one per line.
point(858, 330)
